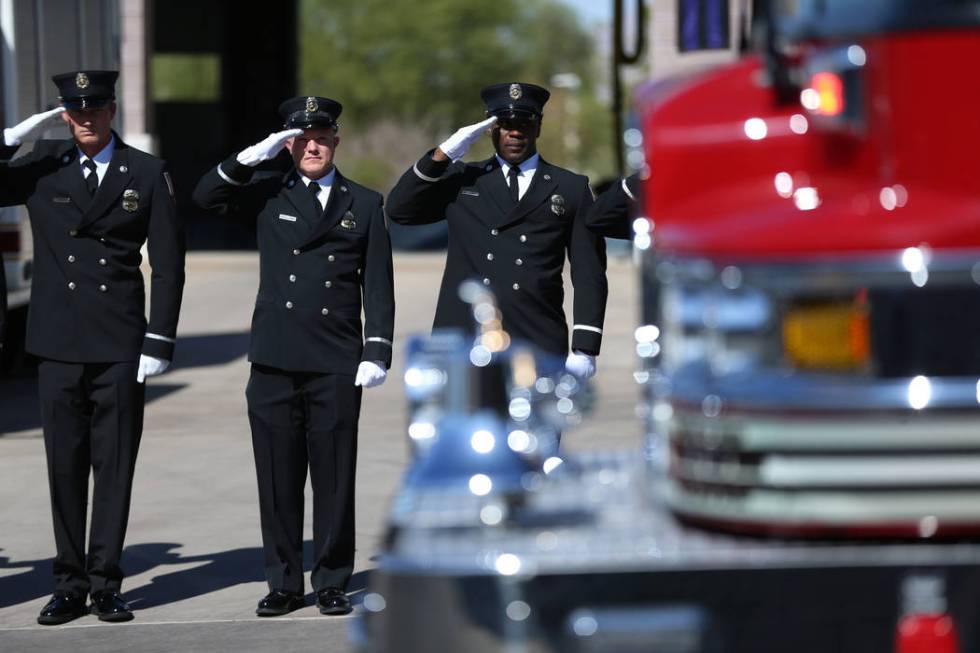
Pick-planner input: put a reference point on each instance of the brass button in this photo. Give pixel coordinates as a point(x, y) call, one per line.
point(327, 283)
point(102, 261)
point(71, 285)
point(289, 304)
point(102, 288)
point(292, 278)
point(324, 311)
point(71, 258)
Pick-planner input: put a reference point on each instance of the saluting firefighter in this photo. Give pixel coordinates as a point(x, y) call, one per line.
point(324, 253)
point(511, 220)
point(93, 202)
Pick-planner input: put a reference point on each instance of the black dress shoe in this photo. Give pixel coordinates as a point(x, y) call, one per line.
point(278, 602)
point(62, 608)
point(333, 600)
point(109, 606)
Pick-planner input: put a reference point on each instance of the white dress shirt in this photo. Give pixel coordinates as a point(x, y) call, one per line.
point(528, 167)
point(326, 182)
point(101, 160)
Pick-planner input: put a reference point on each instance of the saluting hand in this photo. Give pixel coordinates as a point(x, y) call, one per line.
point(456, 146)
point(370, 374)
point(18, 133)
point(267, 148)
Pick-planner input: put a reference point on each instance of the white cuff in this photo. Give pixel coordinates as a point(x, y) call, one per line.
point(154, 336)
point(415, 167)
point(585, 327)
point(221, 173)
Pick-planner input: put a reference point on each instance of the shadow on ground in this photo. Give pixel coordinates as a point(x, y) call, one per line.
point(212, 573)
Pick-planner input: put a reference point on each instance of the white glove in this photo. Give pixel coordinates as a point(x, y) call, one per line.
point(150, 366)
point(370, 374)
point(581, 365)
point(456, 146)
point(267, 148)
point(38, 122)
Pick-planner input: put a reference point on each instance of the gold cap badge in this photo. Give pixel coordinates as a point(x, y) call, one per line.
point(515, 91)
point(81, 80)
point(311, 105)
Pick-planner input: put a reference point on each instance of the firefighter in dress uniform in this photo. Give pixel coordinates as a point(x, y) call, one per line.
point(324, 253)
point(93, 202)
point(511, 220)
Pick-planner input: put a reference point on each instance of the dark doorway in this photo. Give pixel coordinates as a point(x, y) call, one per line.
point(219, 70)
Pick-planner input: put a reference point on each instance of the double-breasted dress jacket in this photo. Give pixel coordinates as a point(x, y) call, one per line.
point(318, 268)
point(518, 251)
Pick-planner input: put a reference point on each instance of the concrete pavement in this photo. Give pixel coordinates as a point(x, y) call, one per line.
point(193, 553)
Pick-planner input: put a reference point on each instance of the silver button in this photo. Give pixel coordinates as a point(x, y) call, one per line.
point(516, 286)
point(523, 238)
point(101, 240)
point(519, 262)
point(486, 282)
point(358, 270)
point(494, 232)
point(71, 285)
point(73, 232)
point(292, 278)
point(330, 258)
point(102, 288)
point(324, 311)
point(295, 252)
point(289, 304)
point(490, 256)
point(102, 261)
point(327, 283)
point(71, 258)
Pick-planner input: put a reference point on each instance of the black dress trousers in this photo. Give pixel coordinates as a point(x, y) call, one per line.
point(92, 416)
point(300, 420)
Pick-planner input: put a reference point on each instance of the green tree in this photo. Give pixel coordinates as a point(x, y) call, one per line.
point(413, 72)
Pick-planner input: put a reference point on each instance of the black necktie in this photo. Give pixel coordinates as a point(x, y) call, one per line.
point(92, 180)
point(512, 182)
point(315, 192)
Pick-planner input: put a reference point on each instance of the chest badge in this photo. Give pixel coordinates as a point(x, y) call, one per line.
point(348, 222)
point(130, 200)
point(558, 204)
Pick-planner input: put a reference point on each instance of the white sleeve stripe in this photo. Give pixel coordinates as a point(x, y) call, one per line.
point(384, 340)
point(153, 336)
point(585, 327)
point(627, 191)
point(418, 172)
point(231, 181)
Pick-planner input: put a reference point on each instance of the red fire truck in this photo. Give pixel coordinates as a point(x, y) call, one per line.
point(813, 252)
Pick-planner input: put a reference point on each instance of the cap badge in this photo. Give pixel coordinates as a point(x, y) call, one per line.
point(558, 205)
point(348, 221)
point(311, 105)
point(81, 80)
point(515, 91)
point(130, 200)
